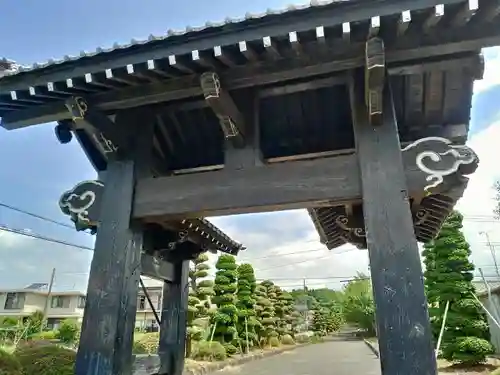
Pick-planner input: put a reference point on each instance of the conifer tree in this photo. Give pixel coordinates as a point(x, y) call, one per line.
point(265, 311)
point(320, 315)
point(280, 311)
point(198, 299)
point(226, 317)
point(246, 305)
point(448, 278)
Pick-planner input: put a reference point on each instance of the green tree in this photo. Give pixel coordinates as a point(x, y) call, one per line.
point(358, 307)
point(200, 291)
point(280, 311)
point(226, 316)
point(320, 319)
point(448, 278)
point(265, 312)
point(245, 304)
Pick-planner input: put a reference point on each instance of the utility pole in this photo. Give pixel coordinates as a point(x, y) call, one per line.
point(492, 250)
point(47, 301)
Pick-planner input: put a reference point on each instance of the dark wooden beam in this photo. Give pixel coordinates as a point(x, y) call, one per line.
point(273, 187)
point(403, 61)
point(107, 136)
point(230, 118)
point(403, 328)
point(374, 77)
point(172, 344)
point(157, 268)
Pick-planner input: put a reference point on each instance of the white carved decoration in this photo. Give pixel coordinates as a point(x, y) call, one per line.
point(80, 211)
point(462, 154)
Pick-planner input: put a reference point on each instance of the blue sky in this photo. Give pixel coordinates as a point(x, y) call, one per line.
point(36, 169)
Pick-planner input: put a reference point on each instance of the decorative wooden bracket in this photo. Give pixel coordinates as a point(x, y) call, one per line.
point(82, 204)
point(443, 166)
point(103, 132)
point(374, 79)
point(230, 118)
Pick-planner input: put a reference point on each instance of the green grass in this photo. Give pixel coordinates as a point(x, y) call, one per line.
point(8, 348)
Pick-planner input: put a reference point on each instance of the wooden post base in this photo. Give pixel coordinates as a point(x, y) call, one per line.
point(172, 345)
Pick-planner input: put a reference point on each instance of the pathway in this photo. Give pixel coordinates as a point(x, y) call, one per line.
point(338, 357)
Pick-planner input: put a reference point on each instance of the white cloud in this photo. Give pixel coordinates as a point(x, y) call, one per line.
point(491, 75)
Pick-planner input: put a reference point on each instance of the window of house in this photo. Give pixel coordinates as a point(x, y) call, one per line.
point(142, 302)
point(81, 302)
point(14, 301)
point(60, 302)
point(158, 305)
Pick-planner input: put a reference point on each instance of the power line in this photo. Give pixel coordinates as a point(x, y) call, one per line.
point(43, 218)
point(43, 238)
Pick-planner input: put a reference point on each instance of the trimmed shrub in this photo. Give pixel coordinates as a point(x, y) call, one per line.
point(302, 338)
point(287, 340)
point(45, 335)
point(274, 342)
point(9, 365)
point(46, 360)
point(209, 351)
point(68, 331)
point(139, 348)
point(149, 342)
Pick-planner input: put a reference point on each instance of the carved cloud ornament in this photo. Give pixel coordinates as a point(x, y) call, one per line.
point(443, 168)
point(438, 158)
point(82, 204)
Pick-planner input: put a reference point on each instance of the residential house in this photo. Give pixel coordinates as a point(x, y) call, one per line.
point(20, 303)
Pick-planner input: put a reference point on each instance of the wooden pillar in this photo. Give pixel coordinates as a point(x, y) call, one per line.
point(110, 311)
point(112, 287)
point(172, 345)
point(404, 333)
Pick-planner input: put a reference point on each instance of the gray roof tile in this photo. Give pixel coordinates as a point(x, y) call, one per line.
point(16, 69)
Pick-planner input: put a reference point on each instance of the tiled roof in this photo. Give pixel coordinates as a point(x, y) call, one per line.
point(249, 17)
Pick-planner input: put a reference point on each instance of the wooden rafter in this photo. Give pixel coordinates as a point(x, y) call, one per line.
point(230, 118)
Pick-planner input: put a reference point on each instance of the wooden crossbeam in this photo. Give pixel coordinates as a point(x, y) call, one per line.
point(288, 185)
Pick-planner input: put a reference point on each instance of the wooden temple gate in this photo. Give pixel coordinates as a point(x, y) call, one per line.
point(356, 110)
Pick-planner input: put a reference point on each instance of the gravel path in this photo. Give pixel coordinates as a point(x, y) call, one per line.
point(329, 358)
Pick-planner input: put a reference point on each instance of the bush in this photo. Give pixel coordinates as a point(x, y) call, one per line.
point(45, 335)
point(68, 331)
point(302, 338)
point(287, 340)
point(230, 349)
point(138, 348)
point(9, 365)
point(209, 351)
point(274, 342)
point(468, 351)
point(149, 341)
point(46, 360)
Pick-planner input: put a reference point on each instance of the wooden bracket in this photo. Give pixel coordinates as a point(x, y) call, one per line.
point(230, 118)
point(374, 79)
point(101, 129)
